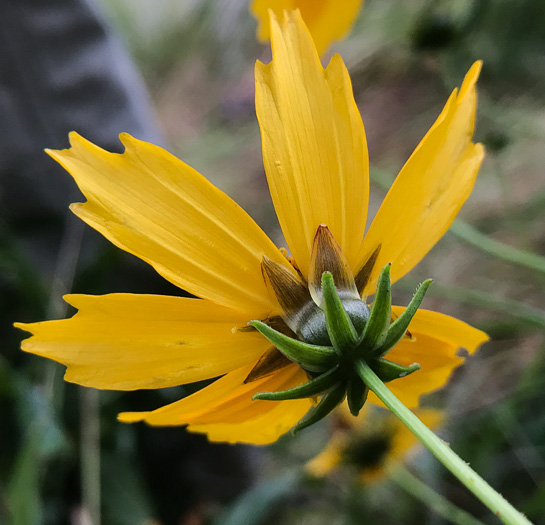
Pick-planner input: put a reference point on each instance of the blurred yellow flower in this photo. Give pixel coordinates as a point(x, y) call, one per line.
point(158, 208)
point(370, 444)
point(327, 20)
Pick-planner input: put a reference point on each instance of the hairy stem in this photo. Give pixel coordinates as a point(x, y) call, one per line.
point(477, 485)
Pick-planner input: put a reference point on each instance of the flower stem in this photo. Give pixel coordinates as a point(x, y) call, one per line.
point(432, 499)
point(477, 485)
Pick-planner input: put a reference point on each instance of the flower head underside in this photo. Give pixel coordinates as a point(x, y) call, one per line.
point(156, 207)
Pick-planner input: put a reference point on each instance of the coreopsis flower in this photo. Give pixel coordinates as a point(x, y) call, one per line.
point(158, 208)
point(327, 20)
point(369, 445)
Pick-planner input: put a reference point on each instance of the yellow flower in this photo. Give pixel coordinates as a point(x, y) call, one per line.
point(370, 444)
point(327, 20)
point(156, 207)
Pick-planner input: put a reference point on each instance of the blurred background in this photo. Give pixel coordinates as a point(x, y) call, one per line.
point(180, 73)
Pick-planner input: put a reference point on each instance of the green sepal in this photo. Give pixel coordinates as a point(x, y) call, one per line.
point(314, 387)
point(356, 395)
point(388, 370)
point(339, 326)
point(328, 403)
point(310, 357)
point(380, 317)
point(399, 327)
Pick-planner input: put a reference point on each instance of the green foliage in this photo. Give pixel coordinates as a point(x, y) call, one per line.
point(257, 505)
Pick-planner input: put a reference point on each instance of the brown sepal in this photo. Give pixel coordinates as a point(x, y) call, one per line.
point(362, 277)
point(271, 361)
point(327, 256)
point(290, 290)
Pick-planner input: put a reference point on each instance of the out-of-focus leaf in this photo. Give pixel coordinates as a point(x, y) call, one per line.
point(34, 408)
point(43, 439)
point(256, 505)
point(23, 492)
point(6, 383)
point(534, 505)
point(123, 487)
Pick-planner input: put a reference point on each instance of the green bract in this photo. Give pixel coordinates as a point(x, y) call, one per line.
point(351, 332)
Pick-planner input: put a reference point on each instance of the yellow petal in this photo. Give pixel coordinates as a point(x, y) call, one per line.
point(125, 341)
point(430, 189)
point(327, 20)
point(444, 328)
point(156, 207)
point(314, 147)
point(437, 339)
point(261, 430)
point(225, 410)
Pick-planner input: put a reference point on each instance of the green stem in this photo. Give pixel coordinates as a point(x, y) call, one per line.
point(435, 501)
point(477, 485)
point(467, 233)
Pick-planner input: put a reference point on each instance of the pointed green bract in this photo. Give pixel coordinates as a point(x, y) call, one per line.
point(356, 395)
point(328, 403)
point(314, 387)
point(355, 333)
point(339, 326)
point(378, 324)
point(310, 357)
point(388, 370)
point(399, 327)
